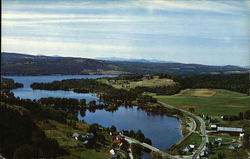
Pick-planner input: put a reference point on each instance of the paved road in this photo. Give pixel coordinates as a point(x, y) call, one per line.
point(193, 128)
point(152, 148)
point(130, 153)
point(202, 129)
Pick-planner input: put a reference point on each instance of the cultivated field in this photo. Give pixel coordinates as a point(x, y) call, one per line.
point(214, 102)
point(145, 82)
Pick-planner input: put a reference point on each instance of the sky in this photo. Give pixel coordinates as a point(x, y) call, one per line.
point(211, 32)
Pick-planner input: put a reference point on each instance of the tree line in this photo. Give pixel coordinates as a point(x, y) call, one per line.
point(240, 116)
point(233, 82)
point(8, 84)
point(21, 138)
point(77, 85)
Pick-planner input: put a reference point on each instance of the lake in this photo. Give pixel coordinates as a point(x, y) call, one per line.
point(162, 130)
point(28, 92)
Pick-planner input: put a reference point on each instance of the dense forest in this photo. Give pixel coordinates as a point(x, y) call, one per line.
point(8, 84)
point(233, 82)
point(135, 96)
point(112, 97)
point(77, 85)
point(21, 64)
point(20, 137)
point(108, 94)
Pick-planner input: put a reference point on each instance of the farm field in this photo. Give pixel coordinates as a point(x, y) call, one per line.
point(145, 82)
point(213, 102)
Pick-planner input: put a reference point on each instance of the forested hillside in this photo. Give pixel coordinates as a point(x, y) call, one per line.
point(21, 64)
point(233, 82)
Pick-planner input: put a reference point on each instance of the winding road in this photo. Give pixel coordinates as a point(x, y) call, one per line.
point(203, 134)
point(202, 129)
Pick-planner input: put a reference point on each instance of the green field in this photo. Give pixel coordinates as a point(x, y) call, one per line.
point(126, 84)
point(194, 139)
point(213, 102)
point(62, 132)
point(91, 154)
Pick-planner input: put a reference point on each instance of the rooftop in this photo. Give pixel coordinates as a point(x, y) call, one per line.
point(229, 129)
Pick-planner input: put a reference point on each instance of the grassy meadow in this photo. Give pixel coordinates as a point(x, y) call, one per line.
point(213, 102)
point(76, 149)
point(145, 82)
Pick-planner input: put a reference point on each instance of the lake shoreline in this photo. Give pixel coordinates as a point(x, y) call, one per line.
point(174, 127)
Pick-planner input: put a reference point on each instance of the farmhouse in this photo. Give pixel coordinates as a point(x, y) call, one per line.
point(189, 148)
point(229, 130)
point(218, 141)
point(76, 136)
point(242, 136)
point(113, 154)
point(84, 138)
point(213, 127)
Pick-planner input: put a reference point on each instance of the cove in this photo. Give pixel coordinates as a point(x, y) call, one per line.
point(28, 93)
point(162, 130)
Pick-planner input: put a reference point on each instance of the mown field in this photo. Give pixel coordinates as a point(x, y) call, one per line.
point(144, 82)
point(213, 102)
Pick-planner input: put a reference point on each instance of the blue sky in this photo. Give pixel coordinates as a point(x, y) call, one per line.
point(190, 31)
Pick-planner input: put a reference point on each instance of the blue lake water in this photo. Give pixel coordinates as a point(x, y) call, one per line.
point(162, 130)
point(27, 92)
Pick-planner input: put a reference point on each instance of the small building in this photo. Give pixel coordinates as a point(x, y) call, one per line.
point(218, 141)
point(112, 151)
point(189, 148)
point(90, 135)
point(213, 127)
point(115, 156)
point(76, 136)
point(121, 133)
point(207, 151)
point(117, 141)
point(84, 138)
point(232, 147)
point(229, 129)
point(85, 142)
point(203, 116)
point(121, 137)
point(242, 136)
point(192, 146)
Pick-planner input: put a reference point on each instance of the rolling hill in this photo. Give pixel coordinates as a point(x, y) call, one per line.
point(23, 64)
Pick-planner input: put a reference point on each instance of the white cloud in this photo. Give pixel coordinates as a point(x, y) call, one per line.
point(21, 15)
point(92, 29)
point(55, 47)
point(34, 19)
point(48, 21)
point(151, 5)
point(210, 6)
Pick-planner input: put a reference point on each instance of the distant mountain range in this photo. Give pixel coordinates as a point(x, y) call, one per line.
point(23, 64)
point(247, 67)
point(133, 60)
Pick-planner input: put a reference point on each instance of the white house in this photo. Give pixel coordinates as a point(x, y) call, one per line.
point(242, 136)
point(112, 151)
point(213, 127)
point(76, 136)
